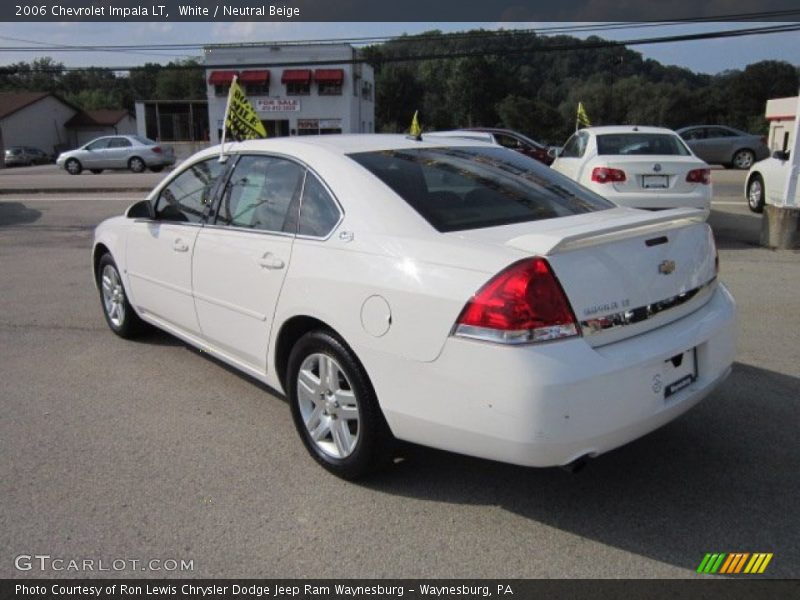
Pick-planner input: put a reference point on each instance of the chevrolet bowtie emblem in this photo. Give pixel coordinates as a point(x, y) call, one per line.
point(666, 267)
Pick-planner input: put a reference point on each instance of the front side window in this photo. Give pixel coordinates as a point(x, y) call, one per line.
point(463, 188)
point(187, 195)
point(641, 144)
point(694, 134)
point(318, 211)
point(261, 194)
point(100, 144)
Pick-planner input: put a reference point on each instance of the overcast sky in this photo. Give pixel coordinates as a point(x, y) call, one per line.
point(708, 56)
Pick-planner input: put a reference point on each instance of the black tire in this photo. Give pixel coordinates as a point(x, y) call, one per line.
point(96, 171)
point(136, 164)
point(374, 441)
point(73, 166)
point(755, 193)
point(157, 169)
point(743, 159)
point(127, 324)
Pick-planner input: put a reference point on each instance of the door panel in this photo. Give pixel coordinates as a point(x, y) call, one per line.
point(159, 269)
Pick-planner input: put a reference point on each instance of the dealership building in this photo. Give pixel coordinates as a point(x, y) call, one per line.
point(296, 89)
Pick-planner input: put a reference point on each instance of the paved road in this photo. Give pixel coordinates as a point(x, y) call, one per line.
point(148, 449)
point(50, 178)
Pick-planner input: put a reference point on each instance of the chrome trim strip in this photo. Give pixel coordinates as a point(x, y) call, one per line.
point(642, 313)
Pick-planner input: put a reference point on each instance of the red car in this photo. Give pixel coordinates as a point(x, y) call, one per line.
point(516, 141)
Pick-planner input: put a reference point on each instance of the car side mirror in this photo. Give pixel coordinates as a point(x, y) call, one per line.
point(780, 155)
point(553, 152)
point(141, 210)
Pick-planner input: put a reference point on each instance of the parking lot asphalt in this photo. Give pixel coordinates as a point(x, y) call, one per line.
point(151, 450)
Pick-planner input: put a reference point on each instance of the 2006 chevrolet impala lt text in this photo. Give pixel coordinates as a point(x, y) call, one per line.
point(444, 292)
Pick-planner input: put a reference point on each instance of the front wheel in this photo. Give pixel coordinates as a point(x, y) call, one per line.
point(118, 312)
point(744, 159)
point(755, 194)
point(73, 166)
point(334, 407)
point(136, 165)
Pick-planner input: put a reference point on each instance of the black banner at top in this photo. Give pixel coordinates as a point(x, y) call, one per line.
point(406, 11)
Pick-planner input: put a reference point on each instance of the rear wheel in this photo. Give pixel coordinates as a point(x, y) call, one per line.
point(744, 159)
point(119, 313)
point(334, 407)
point(73, 166)
point(136, 164)
point(755, 194)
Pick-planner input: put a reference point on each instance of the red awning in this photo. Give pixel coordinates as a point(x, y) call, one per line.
point(329, 75)
point(257, 77)
point(222, 77)
point(296, 76)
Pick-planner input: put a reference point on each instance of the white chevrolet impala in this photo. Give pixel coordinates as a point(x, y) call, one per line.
point(449, 293)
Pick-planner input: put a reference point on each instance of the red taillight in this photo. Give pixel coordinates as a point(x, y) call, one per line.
point(699, 176)
point(156, 149)
point(607, 175)
point(523, 303)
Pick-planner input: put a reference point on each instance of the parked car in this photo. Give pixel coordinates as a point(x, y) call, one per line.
point(18, 156)
point(720, 145)
point(444, 291)
point(640, 167)
point(117, 152)
point(503, 137)
point(766, 182)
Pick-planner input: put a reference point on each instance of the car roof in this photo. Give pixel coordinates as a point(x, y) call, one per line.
point(342, 144)
point(612, 129)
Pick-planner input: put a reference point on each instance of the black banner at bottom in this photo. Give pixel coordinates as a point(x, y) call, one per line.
point(372, 589)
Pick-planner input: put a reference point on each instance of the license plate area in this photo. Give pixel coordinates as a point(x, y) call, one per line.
point(655, 182)
point(679, 372)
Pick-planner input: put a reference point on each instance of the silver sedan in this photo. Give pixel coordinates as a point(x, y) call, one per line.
point(117, 152)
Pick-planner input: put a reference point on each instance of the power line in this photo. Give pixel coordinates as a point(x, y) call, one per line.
point(579, 45)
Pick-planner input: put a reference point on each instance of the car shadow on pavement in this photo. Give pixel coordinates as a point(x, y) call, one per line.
point(722, 478)
point(16, 213)
point(736, 231)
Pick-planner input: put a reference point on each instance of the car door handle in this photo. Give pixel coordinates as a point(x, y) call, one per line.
point(270, 261)
point(180, 246)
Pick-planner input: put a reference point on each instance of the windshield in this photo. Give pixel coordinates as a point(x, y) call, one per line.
point(471, 188)
point(662, 144)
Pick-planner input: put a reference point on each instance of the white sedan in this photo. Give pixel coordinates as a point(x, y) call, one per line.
point(444, 292)
point(641, 167)
point(766, 182)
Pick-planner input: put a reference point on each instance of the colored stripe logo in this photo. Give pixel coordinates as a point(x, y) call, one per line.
point(735, 563)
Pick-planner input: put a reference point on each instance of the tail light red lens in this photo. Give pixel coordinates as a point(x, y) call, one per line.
point(608, 175)
point(156, 149)
point(699, 176)
point(523, 303)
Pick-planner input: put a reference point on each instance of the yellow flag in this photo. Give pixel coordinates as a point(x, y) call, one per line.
point(241, 120)
point(583, 118)
point(416, 130)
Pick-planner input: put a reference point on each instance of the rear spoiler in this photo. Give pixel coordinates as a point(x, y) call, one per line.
point(635, 225)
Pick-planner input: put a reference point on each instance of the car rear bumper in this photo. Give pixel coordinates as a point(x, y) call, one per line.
point(699, 198)
point(549, 404)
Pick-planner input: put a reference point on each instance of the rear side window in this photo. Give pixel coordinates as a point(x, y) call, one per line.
point(260, 192)
point(635, 144)
point(469, 188)
point(188, 194)
point(119, 143)
point(319, 214)
point(575, 146)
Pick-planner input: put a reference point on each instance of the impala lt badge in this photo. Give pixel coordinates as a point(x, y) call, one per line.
point(666, 267)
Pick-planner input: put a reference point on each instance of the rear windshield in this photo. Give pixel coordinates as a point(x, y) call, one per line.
point(470, 188)
point(663, 144)
point(143, 140)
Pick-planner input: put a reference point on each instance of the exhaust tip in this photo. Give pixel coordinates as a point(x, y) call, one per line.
point(577, 465)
